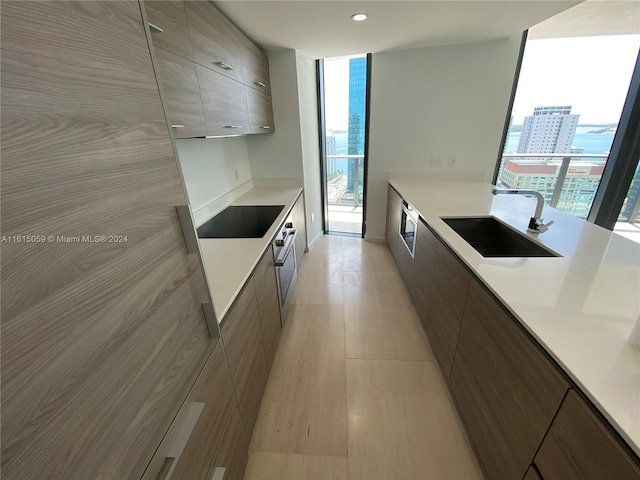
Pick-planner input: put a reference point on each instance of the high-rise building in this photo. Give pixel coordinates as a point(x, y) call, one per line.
point(357, 108)
point(331, 150)
point(548, 130)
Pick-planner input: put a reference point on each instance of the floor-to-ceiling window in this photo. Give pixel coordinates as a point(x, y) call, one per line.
point(566, 112)
point(344, 103)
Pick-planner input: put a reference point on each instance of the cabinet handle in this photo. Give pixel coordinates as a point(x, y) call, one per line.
point(226, 66)
point(266, 127)
point(177, 126)
point(154, 27)
point(177, 447)
point(233, 126)
point(260, 84)
point(218, 473)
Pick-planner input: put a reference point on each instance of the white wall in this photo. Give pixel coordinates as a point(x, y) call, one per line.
point(310, 142)
point(212, 167)
point(292, 151)
point(436, 101)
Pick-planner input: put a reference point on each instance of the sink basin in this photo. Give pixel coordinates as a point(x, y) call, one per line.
point(493, 238)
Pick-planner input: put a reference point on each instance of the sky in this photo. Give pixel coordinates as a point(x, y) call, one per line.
point(591, 74)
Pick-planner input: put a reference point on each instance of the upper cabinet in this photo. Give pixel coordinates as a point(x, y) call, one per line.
point(215, 40)
point(168, 26)
point(214, 80)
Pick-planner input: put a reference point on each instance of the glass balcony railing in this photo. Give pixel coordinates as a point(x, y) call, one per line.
point(567, 181)
point(345, 179)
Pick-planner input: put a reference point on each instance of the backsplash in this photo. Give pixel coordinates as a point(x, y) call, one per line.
point(212, 168)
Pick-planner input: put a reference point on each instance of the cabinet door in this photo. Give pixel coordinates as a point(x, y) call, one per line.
point(255, 67)
point(392, 230)
point(101, 340)
point(264, 279)
point(196, 436)
point(215, 40)
point(260, 112)
point(506, 390)
point(580, 445)
point(425, 278)
point(243, 342)
point(532, 475)
point(168, 26)
point(224, 103)
point(451, 286)
point(181, 94)
point(300, 224)
point(233, 453)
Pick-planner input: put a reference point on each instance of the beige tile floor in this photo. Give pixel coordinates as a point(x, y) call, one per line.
point(354, 392)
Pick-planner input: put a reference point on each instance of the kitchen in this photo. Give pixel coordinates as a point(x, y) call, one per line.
point(86, 151)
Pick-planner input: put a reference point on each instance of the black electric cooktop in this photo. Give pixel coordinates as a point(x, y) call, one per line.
point(250, 221)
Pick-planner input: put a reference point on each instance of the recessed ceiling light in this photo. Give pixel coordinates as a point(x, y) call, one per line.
point(359, 17)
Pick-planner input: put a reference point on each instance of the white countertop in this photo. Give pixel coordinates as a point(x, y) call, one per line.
point(230, 261)
point(581, 307)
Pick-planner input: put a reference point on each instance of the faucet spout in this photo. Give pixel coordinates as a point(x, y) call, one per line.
point(516, 191)
point(535, 224)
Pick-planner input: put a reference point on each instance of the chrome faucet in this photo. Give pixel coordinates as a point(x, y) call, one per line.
point(535, 223)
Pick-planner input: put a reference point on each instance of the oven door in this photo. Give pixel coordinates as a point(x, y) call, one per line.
point(286, 272)
point(408, 227)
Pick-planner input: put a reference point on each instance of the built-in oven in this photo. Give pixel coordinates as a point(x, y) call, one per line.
point(408, 226)
point(284, 252)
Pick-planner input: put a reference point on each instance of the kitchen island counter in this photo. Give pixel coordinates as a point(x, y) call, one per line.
point(580, 307)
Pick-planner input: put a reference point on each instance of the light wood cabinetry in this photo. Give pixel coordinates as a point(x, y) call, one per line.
point(255, 67)
point(179, 82)
point(392, 230)
point(260, 112)
point(243, 342)
point(168, 26)
point(448, 300)
point(300, 224)
point(101, 340)
point(225, 114)
point(194, 437)
point(215, 40)
point(264, 278)
point(580, 445)
point(506, 390)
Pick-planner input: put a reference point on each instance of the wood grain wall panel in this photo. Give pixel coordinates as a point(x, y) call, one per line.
point(100, 341)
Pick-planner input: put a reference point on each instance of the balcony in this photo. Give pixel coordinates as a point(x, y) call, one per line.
point(345, 186)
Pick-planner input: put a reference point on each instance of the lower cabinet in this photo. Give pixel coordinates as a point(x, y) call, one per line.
point(206, 424)
point(392, 230)
point(532, 474)
point(265, 283)
point(580, 445)
point(506, 390)
point(233, 453)
point(300, 224)
point(242, 339)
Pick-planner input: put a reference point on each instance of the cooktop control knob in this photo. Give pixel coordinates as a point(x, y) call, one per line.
point(279, 242)
point(288, 225)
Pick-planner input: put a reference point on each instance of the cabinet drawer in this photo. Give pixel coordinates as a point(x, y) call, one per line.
point(181, 94)
point(264, 279)
point(245, 353)
point(200, 423)
point(168, 26)
point(260, 112)
point(224, 103)
point(215, 40)
point(580, 445)
point(506, 390)
point(233, 453)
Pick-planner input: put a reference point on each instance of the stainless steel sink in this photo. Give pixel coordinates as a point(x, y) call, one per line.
point(493, 238)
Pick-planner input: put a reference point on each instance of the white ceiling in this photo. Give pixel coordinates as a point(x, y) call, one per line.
point(323, 29)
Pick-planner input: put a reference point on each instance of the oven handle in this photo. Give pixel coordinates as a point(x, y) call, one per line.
point(284, 252)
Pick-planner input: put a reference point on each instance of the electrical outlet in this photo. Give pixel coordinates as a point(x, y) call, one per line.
point(313, 217)
point(453, 160)
point(436, 161)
